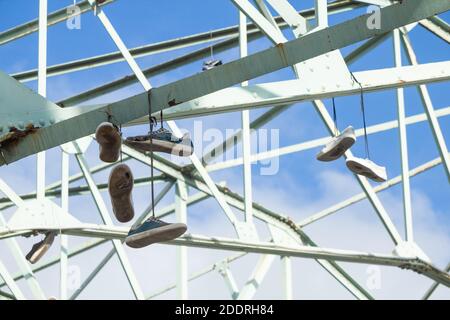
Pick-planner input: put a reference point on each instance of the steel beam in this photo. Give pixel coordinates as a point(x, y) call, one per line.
point(170, 45)
point(315, 143)
point(33, 26)
point(9, 281)
point(434, 286)
point(259, 212)
point(254, 281)
point(438, 27)
point(181, 195)
point(406, 189)
point(429, 110)
point(361, 196)
point(108, 221)
point(255, 65)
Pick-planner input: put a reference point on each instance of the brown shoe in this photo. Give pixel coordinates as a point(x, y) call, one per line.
point(40, 248)
point(109, 140)
point(120, 186)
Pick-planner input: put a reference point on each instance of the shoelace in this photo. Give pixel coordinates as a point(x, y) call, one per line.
point(336, 130)
point(366, 138)
point(151, 150)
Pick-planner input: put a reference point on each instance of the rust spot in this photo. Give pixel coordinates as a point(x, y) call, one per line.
point(281, 50)
point(14, 135)
point(173, 102)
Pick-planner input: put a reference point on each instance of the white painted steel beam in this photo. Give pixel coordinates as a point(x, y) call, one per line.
point(406, 189)
point(255, 65)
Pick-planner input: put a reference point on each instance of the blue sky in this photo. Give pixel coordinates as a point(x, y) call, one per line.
point(302, 185)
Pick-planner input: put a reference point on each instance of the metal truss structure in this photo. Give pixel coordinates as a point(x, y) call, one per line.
point(31, 124)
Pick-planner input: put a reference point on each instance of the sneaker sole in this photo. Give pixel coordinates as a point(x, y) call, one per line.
point(178, 149)
point(36, 254)
point(338, 151)
point(161, 234)
point(357, 168)
point(109, 141)
point(122, 204)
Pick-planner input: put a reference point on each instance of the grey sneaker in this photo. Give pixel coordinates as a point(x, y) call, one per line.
point(109, 140)
point(207, 65)
point(120, 185)
point(162, 141)
point(154, 230)
point(39, 249)
point(337, 146)
point(367, 168)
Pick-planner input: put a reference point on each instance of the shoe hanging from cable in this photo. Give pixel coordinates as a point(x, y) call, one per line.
point(154, 230)
point(120, 186)
point(212, 63)
point(365, 167)
point(339, 144)
point(39, 249)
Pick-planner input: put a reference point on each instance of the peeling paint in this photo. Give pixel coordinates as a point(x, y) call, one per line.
point(14, 135)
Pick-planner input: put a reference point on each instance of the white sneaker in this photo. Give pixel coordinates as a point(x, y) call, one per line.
point(367, 168)
point(337, 146)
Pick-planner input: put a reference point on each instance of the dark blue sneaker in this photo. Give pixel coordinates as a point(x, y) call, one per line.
point(154, 230)
point(162, 141)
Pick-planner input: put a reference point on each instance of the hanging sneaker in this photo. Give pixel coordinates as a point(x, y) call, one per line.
point(162, 141)
point(337, 146)
point(120, 185)
point(154, 230)
point(210, 64)
point(39, 249)
point(367, 168)
point(109, 140)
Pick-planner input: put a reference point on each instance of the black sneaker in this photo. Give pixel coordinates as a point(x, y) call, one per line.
point(154, 230)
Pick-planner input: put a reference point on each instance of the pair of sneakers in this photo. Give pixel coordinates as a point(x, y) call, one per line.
point(120, 186)
point(339, 145)
point(121, 182)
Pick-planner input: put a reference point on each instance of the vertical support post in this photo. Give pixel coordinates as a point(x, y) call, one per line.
point(403, 144)
point(321, 13)
point(429, 110)
point(42, 90)
point(64, 240)
point(287, 277)
point(246, 147)
point(181, 196)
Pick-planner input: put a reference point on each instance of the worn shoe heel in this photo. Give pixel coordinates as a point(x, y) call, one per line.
point(120, 186)
point(39, 249)
point(109, 140)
